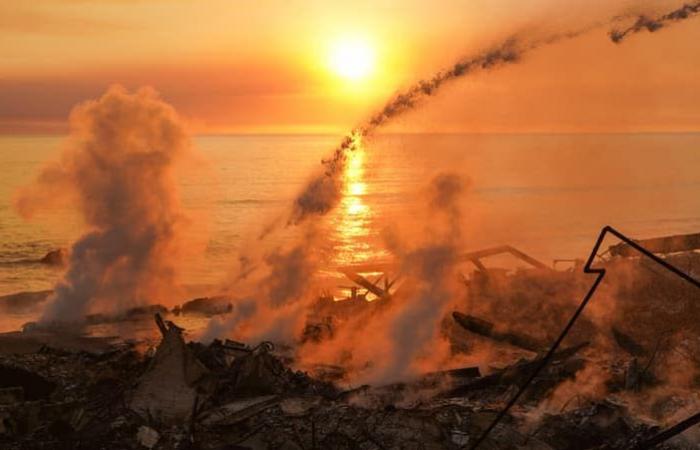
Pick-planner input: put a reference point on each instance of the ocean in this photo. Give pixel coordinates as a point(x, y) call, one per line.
point(547, 195)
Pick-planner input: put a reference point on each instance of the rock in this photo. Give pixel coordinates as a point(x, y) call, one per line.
point(136, 313)
point(55, 258)
point(206, 306)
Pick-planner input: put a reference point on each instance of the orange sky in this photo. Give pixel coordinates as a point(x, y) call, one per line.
point(240, 66)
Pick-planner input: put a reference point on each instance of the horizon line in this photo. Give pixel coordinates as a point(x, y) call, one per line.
point(391, 133)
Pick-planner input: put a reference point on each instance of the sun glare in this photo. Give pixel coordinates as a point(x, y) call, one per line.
point(352, 59)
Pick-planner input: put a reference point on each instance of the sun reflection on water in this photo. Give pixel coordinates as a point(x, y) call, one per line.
point(353, 221)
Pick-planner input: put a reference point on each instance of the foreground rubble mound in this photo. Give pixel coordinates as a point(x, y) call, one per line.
point(227, 395)
point(639, 362)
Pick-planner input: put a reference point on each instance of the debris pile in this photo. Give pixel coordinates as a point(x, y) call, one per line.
point(61, 391)
point(227, 395)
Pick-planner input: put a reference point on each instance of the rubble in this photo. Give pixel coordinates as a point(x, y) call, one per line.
point(628, 344)
point(229, 395)
point(60, 390)
point(147, 436)
point(238, 411)
point(30, 385)
point(168, 391)
point(594, 426)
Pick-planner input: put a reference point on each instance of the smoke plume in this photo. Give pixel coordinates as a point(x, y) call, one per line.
point(117, 168)
point(654, 24)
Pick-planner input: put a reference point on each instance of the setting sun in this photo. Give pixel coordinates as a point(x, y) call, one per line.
point(352, 59)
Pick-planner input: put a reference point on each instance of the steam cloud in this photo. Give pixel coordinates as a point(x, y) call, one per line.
point(399, 337)
point(118, 168)
point(274, 308)
point(415, 321)
point(652, 25)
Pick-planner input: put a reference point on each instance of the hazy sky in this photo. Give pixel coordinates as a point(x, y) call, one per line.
point(264, 66)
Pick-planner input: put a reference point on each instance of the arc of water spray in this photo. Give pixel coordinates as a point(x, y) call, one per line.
point(654, 24)
point(323, 192)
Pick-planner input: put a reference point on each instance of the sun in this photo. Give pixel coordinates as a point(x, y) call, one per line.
point(352, 59)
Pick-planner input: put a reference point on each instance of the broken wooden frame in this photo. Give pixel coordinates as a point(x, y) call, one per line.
point(354, 273)
point(588, 268)
point(475, 257)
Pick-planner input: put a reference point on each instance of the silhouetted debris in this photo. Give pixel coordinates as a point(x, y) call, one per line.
point(319, 330)
point(463, 373)
point(23, 302)
point(168, 391)
point(486, 328)
point(139, 312)
point(36, 337)
point(628, 344)
point(60, 390)
point(237, 411)
point(205, 306)
point(33, 386)
point(561, 369)
point(593, 426)
point(229, 395)
point(71, 399)
point(219, 355)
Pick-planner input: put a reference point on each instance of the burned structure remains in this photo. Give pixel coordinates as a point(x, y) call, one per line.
point(59, 390)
